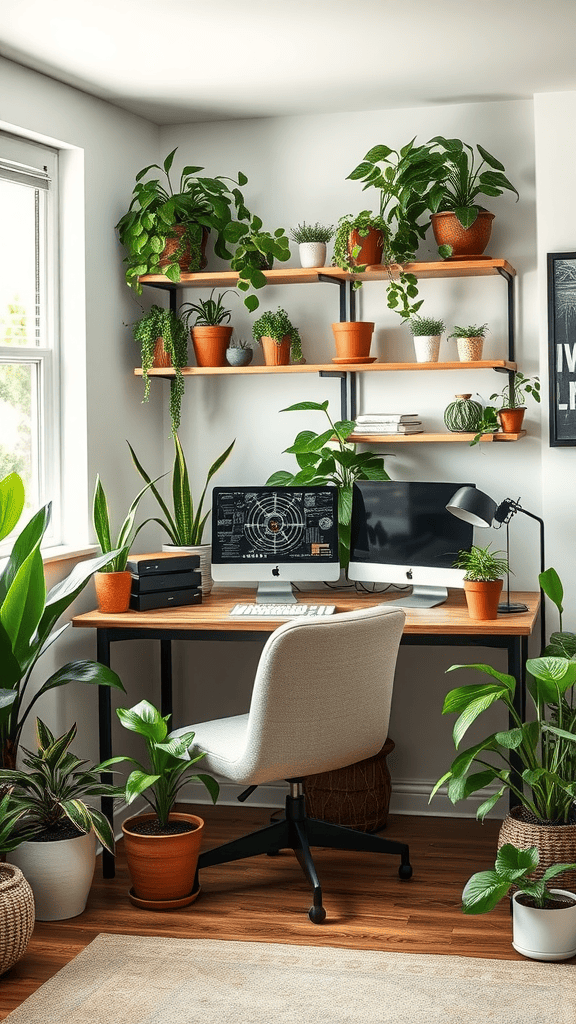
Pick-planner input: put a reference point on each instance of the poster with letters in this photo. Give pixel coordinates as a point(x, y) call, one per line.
point(562, 347)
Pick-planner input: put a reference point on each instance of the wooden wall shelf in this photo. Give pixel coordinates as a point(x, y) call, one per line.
point(205, 371)
point(441, 438)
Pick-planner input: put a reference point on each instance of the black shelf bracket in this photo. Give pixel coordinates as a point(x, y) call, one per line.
point(511, 312)
point(342, 374)
point(326, 279)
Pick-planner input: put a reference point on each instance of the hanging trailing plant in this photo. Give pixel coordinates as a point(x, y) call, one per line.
point(157, 323)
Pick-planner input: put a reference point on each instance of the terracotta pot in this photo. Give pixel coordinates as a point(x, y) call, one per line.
point(482, 598)
point(113, 591)
point(161, 357)
point(210, 344)
point(353, 339)
point(511, 419)
point(188, 261)
point(371, 247)
point(469, 349)
point(276, 353)
point(163, 867)
point(465, 242)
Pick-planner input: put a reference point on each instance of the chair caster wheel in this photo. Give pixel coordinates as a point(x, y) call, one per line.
point(317, 915)
point(405, 871)
point(272, 853)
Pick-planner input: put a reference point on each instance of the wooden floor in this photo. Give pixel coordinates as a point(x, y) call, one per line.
point(266, 899)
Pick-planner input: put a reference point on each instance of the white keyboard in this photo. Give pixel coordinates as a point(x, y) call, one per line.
point(280, 611)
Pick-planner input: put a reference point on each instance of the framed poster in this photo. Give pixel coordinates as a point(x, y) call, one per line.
point(562, 347)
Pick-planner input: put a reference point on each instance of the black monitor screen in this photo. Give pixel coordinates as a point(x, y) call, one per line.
point(271, 524)
point(405, 523)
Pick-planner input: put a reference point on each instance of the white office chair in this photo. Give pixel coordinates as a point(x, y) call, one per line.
point(321, 700)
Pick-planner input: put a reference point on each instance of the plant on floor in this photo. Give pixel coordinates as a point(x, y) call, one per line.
point(543, 747)
point(127, 534)
point(209, 312)
point(513, 867)
point(255, 251)
point(13, 829)
point(278, 326)
point(200, 204)
point(171, 327)
point(425, 326)
point(169, 761)
point(51, 793)
point(513, 394)
point(185, 527)
point(329, 458)
point(463, 179)
point(482, 564)
point(304, 232)
point(28, 617)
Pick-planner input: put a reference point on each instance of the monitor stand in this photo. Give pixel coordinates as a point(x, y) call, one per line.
point(275, 592)
point(423, 597)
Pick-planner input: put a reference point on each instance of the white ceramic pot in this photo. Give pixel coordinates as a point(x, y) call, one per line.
point(205, 553)
point(469, 349)
point(544, 934)
point(312, 254)
point(427, 348)
point(60, 874)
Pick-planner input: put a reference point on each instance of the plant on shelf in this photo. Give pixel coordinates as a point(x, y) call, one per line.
point(255, 252)
point(304, 233)
point(158, 214)
point(28, 617)
point(209, 312)
point(239, 352)
point(278, 328)
point(425, 326)
point(158, 323)
point(513, 394)
point(470, 341)
point(471, 331)
point(488, 424)
point(211, 332)
point(329, 458)
point(484, 571)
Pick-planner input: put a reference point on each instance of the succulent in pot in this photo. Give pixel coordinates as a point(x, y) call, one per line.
point(470, 341)
point(427, 332)
point(239, 352)
point(211, 332)
point(278, 337)
point(311, 240)
point(162, 334)
point(484, 570)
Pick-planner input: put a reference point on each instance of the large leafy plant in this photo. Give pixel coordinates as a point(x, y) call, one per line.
point(255, 252)
point(28, 617)
point(328, 458)
point(169, 761)
point(513, 867)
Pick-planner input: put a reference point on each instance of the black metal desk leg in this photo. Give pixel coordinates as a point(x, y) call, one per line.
point(166, 678)
point(517, 656)
point(105, 741)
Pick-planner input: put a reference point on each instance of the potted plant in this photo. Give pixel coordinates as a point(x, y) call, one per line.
point(470, 341)
point(59, 852)
point(113, 582)
point(162, 334)
point(483, 580)
point(513, 398)
point(185, 527)
point(461, 226)
point(311, 240)
point(211, 332)
point(488, 424)
point(28, 616)
point(426, 332)
point(543, 919)
point(279, 339)
point(239, 352)
point(162, 847)
point(532, 759)
point(165, 231)
point(329, 458)
point(255, 252)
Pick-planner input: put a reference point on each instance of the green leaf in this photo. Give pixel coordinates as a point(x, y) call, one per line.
point(483, 891)
point(280, 479)
point(101, 517)
point(22, 608)
point(12, 500)
point(89, 672)
point(251, 303)
point(550, 583)
point(144, 719)
point(466, 215)
point(306, 407)
point(473, 710)
point(138, 782)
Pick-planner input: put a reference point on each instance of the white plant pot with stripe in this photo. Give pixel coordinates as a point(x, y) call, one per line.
point(59, 873)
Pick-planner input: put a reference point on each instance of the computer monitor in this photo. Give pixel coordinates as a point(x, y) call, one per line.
point(402, 533)
point(275, 536)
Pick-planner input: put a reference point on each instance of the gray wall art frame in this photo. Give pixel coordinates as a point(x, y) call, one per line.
point(562, 347)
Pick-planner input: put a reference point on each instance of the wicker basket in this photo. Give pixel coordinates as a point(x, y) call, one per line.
point(556, 844)
point(16, 915)
point(357, 796)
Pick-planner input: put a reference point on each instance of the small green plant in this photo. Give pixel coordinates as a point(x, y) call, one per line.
point(243, 343)
point(482, 564)
point(322, 464)
point(489, 424)
point(304, 232)
point(423, 326)
point(172, 328)
point(513, 867)
point(513, 394)
point(185, 527)
point(209, 312)
point(127, 534)
point(255, 251)
point(472, 331)
point(169, 761)
point(51, 793)
point(277, 326)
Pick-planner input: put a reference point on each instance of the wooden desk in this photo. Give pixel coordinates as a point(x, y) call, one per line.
point(446, 625)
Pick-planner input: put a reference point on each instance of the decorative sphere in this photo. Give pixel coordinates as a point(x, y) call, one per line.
point(463, 415)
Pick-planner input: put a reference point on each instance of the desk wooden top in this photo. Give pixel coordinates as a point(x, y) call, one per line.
point(213, 614)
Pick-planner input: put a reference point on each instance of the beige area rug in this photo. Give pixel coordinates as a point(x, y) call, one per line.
point(124, 979)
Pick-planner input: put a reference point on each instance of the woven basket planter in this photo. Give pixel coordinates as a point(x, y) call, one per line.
point(357, 796)
point(556, 844)
point(16, 915)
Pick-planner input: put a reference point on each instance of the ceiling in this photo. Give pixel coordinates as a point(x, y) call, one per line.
point(180, 61)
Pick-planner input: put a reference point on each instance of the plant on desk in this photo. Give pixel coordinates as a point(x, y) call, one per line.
point(483, 580)
point(162, 847)
point(28, 615)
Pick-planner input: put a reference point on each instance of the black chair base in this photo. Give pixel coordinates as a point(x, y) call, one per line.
point(297, 832)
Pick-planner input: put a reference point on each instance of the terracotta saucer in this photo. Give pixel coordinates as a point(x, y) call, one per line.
point(164, 904)
point(359, 359)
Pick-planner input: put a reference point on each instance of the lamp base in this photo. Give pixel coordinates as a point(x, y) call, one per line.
point(508, 607)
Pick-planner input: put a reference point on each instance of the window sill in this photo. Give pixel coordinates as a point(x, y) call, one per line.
point(64, 553)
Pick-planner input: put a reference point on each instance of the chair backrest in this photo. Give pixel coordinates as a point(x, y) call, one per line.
point(322, 693)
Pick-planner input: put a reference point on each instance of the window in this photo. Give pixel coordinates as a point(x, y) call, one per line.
point(29, 335)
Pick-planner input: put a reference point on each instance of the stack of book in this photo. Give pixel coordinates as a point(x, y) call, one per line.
point(163, 580)
point(388, 423)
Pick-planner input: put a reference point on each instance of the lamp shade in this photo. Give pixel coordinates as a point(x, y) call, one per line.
point(473, 506)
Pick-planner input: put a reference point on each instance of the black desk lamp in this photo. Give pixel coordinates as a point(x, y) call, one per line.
point(473, 506)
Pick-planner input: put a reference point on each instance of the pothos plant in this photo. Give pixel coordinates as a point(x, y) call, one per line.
point(329, 458)
point(156, 323)
point(255, 252)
